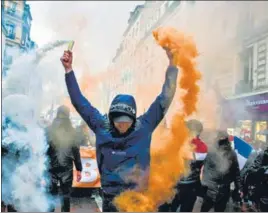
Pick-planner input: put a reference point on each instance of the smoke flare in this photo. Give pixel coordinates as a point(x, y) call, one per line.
point(25, 177)
point(169, 163)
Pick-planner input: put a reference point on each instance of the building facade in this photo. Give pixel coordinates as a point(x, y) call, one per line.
point(4, 34)
point(232, 46)
point(136, 58)
point(16, 17)
point(249, 103)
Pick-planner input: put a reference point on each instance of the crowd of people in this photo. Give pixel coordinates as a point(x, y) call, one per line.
point(123, 141)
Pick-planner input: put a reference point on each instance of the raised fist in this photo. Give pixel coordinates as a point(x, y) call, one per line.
point(67, 60)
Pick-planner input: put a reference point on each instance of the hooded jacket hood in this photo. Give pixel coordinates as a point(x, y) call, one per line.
point(123, 104)
point(223, 141)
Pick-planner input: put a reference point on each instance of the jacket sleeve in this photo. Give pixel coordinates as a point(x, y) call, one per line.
point(248, 164)
point(89, 113)
point(159, 107)
point(77, 158)
point(236, 171)
point(256, 170)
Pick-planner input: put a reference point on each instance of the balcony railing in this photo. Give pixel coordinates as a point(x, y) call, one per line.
point(246, 87)
point(11, 11)
point(11, 36)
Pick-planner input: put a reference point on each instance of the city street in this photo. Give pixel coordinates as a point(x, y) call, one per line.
point(88, 204)
point(85, 204)
point(125, 103)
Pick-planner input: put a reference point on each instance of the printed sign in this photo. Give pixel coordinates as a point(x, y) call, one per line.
point(90, 174)
point(90, 170)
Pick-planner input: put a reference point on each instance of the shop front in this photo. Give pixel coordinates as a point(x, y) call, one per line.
point(247, 117)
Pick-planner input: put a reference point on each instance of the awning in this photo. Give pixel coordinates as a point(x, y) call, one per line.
point(257, 102)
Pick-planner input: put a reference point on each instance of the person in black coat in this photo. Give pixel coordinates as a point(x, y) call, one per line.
point(257, 174)
point(247, 187)
point(221, 168)
point(63, 152)
point(189, 187)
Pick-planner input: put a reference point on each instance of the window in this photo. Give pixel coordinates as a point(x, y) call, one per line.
point(261, 126)
point(247, 60)
point(24, 36)
point(261, 47)
point(162, 9)
point(28, 21)
point(8, 60)
point(170, 3)
point(261, 83)
point(10, 30)
point(148, 26)
point(261, 76)
point(12, 8)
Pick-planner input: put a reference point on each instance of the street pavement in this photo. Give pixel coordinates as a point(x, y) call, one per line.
point(93, 204)
point(83, 204)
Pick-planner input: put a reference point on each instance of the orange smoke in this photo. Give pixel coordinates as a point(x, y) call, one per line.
point(169, 163)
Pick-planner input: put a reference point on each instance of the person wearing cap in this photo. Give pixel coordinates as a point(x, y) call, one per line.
point(122, 140)
point(63, 152)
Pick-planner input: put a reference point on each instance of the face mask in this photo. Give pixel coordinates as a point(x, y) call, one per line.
point(224, 142)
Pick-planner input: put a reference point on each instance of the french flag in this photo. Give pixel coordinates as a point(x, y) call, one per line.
point(200, 149)
point(243, 151)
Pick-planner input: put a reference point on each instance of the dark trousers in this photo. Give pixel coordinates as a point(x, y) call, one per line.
point(9, 208)
point(263, 205)
point(217, 200)
point(107, 203)
point(184, 200)
point(65, 181)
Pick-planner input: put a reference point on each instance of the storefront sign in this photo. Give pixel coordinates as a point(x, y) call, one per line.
point(256, 102)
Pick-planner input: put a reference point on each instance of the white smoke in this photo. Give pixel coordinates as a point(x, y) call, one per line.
point(25, 163)
point(39, 75)
point(34, 81)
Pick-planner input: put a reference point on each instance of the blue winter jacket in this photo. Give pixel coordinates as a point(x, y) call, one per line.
point(117, 154)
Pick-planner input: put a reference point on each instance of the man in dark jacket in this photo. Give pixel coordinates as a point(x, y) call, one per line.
point(123, 140)
point(220, 170)
point(63, 152)
point(247, 187)
point(189, 187)
point(258, 174)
